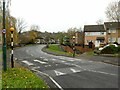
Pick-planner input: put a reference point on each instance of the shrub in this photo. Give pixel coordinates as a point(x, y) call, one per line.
point(110, 50)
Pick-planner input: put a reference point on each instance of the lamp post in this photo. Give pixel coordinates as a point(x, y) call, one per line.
point(4, 39)
point(73, 46)
point(12, 62)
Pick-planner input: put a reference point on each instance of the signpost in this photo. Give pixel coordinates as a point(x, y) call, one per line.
point(12, 62)
point(4, 39)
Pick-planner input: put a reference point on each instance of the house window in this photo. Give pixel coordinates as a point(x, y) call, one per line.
point(111, 31)
point(111, 39)
point(118, 40)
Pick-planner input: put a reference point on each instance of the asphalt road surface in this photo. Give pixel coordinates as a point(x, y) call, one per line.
point(66, 72)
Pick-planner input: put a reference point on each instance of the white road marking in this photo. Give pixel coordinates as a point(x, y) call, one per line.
point(45, 59)
point(31, 54)
point(75, 71)
point(102, 72)
point(28, 63)
point(41, 57)
point(63, 61)
point(36, 67)
point(16, 59)
point(94, 70)
point(71, 60)
point(53, 59)
point(58, 73)
point(50, 78)
point(56, 64)
point(40, 61)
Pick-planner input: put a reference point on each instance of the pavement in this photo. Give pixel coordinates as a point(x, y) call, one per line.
point(65, 72)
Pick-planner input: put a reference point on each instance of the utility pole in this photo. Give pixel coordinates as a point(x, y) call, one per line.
point(4, 39)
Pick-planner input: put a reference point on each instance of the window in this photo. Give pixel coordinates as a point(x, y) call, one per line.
point(118, 40)
point(111, 39)
point(111, 31)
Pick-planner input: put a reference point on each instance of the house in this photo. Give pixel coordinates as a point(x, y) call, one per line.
point(112, 32)
point(94, 33)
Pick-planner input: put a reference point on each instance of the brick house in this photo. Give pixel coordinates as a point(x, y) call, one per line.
point(112, 32)
point(94, 33)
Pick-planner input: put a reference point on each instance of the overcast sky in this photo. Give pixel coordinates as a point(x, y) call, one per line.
point(59, 15)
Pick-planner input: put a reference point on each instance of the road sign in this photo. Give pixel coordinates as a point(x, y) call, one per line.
point(4, 31)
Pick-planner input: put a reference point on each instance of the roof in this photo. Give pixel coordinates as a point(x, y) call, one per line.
point(94, 28)
point(112, 25)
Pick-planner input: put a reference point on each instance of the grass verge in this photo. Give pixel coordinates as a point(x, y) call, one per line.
point(21, 78)
point(56, 49)
point(90, 53)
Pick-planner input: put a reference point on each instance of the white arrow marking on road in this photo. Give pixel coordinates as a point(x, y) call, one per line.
point(58, 73)
point(28, 63)
point(74, 70)
point(40, 61)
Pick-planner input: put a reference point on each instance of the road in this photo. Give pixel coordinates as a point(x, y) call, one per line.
point(66, 72)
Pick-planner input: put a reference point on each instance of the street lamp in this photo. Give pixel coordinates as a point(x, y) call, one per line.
point(4, 39)
point(12, 62)
point(73, 46)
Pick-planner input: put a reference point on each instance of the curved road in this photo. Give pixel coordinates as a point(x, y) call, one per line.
point(66, 72)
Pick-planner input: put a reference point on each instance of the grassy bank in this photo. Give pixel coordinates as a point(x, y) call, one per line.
point(56, 49)
point(21, 78)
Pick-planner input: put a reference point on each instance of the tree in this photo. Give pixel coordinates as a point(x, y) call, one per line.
point(20, 25)
point(35, 28)
point(113, 11)
point(99, 21)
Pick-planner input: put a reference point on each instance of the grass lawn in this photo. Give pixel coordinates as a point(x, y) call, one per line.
point(21, 78)
point(57, 50)
point(90, 53)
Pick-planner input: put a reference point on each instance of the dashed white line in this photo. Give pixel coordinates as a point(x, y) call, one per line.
point(28, 63)
point(40, 61)
point(75, 71)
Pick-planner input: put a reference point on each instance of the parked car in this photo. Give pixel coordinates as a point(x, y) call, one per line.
point(98, 50)
point(101, 48)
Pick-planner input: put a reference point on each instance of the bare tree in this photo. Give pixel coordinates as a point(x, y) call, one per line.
point(20, 25)
point(34, 28)
point(113, 11)
point(99, 21)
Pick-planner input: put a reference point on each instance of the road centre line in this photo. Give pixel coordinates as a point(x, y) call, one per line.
point(94, 70)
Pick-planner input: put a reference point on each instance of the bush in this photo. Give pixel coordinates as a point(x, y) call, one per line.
point(110, 50)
